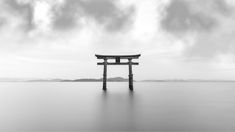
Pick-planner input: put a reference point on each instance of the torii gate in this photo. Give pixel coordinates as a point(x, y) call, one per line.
point(118, 62)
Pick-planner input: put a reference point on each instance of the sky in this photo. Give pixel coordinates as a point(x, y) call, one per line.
point(177, 39)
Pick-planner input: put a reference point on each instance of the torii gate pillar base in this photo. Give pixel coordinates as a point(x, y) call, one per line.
point(131, 82)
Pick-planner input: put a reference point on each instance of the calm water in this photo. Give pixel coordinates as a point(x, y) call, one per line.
point(85, 107)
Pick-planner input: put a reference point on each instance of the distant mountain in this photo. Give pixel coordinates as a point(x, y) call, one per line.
point(117, 79)
point(187, 80)
point(114, 79)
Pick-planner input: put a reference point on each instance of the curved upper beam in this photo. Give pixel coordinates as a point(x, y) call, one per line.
point(118, 56)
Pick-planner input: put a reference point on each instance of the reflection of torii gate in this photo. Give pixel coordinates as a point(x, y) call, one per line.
point(118, 62)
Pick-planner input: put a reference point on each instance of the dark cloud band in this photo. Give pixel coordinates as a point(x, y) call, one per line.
point(180, 18)
point(104, 12)
point(205, 18)
point(23, 10)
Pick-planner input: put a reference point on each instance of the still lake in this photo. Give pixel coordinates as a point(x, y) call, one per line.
point(83, 106)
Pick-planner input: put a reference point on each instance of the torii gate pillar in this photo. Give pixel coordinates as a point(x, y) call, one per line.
point(118, 62)
point(130, 75)
point(105, 74)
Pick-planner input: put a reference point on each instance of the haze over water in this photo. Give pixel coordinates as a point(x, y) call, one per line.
point(164, 106)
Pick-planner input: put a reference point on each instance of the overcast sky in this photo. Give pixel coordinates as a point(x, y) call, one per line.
point(178, 39)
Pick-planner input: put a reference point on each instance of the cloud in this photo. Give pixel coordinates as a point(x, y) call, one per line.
point(65, 15)
point(22, 9)
point(42, 16)
point(223, 7)
point(103, 12)
point(2, 21)
point(180, 18)
point(210, 23)
point(216, 43)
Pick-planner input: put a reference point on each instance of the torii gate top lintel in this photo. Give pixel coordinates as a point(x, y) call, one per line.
point(117, 59)
point(118, 56)
point(118, 62)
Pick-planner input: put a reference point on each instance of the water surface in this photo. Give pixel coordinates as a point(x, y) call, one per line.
point(83, 106)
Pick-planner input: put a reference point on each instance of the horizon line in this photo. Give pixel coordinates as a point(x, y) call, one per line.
point(113, 79)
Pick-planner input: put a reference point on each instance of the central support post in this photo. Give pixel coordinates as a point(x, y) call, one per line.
point(130, 75)
point(105, 74)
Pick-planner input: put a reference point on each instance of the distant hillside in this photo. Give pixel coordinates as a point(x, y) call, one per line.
point(117, 79)
point(114, 79)
point(187, 80)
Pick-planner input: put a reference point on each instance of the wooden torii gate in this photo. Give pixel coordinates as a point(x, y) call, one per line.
point(117, 59)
